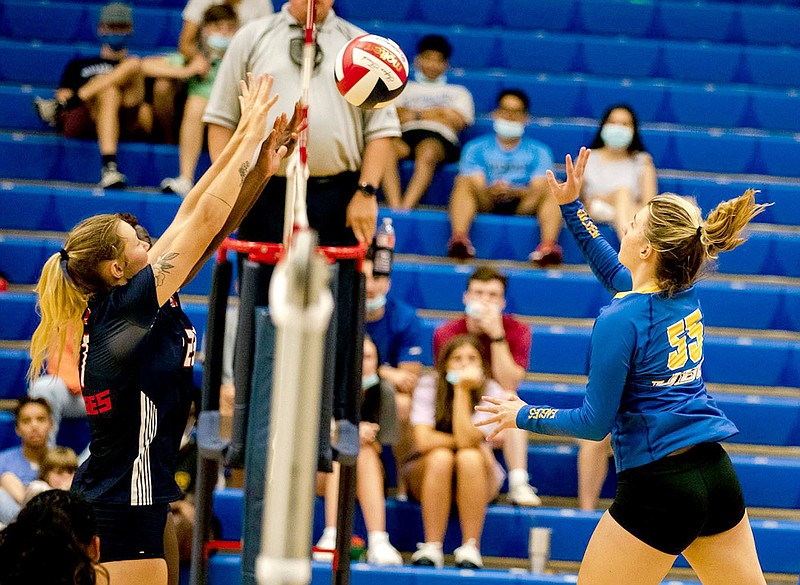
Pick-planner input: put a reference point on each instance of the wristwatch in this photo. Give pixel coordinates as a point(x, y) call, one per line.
point(498, 339)
point(367, 189)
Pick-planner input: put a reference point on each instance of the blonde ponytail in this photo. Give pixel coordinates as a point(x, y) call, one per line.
point(724, 224)
point(66, 285)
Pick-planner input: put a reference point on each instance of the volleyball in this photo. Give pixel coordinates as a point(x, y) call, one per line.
point(371, 71)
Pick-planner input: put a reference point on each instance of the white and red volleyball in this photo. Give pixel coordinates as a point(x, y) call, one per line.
point(371, 71)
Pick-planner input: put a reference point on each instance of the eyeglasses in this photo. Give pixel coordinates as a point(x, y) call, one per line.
point(296, 52)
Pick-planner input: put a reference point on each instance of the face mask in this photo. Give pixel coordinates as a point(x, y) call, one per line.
point(374, 304)
point(370, 381)
point(473, 310)
point(453, 376)
point(218, 42)
point(420, 77)
point(508, 129)
point(116, 42)
point(616, 135)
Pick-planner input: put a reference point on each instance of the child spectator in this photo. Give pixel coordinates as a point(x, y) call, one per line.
point(377, 427)
point(218, 28)
point(55, 473)
point(452, 457)
point(432, 114)
point(504, 173)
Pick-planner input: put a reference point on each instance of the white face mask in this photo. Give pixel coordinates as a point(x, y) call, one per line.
point(508, 129)
point(453, 377)
point(370, 380)
point(374, 304)
point(616, 135)
point(420, 77)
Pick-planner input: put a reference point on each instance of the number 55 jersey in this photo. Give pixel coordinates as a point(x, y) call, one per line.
point(645, 367)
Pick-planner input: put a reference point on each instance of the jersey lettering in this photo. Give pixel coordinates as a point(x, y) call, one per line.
point(686, 336)
point(98, 403)
point(190, 340)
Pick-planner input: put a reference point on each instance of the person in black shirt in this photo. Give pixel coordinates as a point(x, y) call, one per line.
point(137, 346)
point(104, 95)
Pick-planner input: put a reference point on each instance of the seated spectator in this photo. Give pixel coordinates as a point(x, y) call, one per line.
point(219, 26)
point(53, 541)
point(395, 329)
point(377, 428)
point(56, 472)
point(504, 173)
point(452, 457)
point(592, 471)
point(505, 344)
point(61, 386)
point(167, 88)
point(432, 114)
point(620, 177)
point(22, 463)
point(103, 96)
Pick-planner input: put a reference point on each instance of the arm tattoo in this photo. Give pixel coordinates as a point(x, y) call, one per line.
point(162, 266)
point(243, 170)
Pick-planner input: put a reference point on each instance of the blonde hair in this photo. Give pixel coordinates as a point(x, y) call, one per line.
point(686, 244)
point(65, 287)
point(58, 459)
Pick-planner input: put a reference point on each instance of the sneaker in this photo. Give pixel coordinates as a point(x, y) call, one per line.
point(524, 495)
point(468, 556)
point(546, 255)
point(429, 554)
point(111, 178)
point(381, 551)
point(47, 110)
point(460, 248)
point(326, 545)
point(178, 185)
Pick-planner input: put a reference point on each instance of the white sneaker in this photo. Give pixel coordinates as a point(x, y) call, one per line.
point(178, 185)
point(524, 495)
point(326, 542)
point(429, 554)
point(468, 556)
point(381, 552)
point(47, 110)
point(111, 178)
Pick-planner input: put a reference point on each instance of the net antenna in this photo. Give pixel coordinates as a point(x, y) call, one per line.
point(295, 213)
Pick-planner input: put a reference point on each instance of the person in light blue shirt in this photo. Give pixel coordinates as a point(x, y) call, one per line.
point(504, 173)
point(677, 491)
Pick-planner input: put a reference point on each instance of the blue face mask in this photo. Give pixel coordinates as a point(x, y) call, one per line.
point(453, 377)
point(370, 381)
point(420, 77)
point(218, 42)
point(508, 129)
point(116, 42)
point(616, 135)
point(374, 304)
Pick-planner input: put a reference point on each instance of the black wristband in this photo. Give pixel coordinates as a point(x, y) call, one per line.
point(367, 189)
point(498, 339)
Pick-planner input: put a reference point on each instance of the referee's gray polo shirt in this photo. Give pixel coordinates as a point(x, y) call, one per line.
point(338, 131)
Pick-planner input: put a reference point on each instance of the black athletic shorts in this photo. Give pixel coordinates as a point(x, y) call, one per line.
point(670, 502)
point(130, 533)
point(452, 152)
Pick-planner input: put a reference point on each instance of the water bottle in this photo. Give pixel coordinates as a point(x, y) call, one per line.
point(384, 249)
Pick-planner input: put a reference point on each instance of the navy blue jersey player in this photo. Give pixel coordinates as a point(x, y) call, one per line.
point(677, 491)
point(137, 346)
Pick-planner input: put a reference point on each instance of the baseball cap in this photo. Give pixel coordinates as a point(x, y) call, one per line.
point(116, 13)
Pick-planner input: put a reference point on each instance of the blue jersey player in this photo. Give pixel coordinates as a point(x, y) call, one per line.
point(677, 491)
point(137, 346)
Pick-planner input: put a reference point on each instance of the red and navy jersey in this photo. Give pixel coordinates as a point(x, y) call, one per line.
point(136, 376)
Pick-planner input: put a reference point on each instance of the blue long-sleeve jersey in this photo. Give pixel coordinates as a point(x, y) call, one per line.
point(645, 382)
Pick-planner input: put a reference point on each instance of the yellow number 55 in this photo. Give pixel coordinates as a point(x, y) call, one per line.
point(686, 336)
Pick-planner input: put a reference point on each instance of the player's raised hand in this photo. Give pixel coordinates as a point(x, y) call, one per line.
point(569, 190)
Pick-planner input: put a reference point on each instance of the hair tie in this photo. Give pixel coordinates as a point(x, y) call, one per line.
point(699, 231)
point(64, 255)
point(64, 259)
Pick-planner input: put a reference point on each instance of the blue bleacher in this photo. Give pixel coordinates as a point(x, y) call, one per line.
point(696, 21)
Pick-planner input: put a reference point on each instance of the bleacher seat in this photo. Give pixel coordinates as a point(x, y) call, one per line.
point(550, 15)
point(542, 52)
point(715, 152)
point(776, 109)
point(620, 57)
point(769, 66)
point(395, 11)
point(769, 25)
point(550, 97)
point(709, 106)
point(616, 17)
point(483, 87)
point(696, 21)
point(779, 155)
point(702, 62)
point(35, 21)
point(478, 13)
point(646, 99)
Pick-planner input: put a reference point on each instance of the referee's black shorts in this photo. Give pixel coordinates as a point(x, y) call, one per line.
point(670, 502)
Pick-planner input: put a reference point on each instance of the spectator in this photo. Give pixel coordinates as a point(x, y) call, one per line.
point(432, 114)
point(55, 472)
point(104, 96)
point(505, 345)
point(53, 541)
point(377, 427)
point(452, 457)
point(219, 26)
point(395, 330)
point(504, 173)
point(167, 88)
point(61, 386)
point(22, 463)
point(620, 178)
